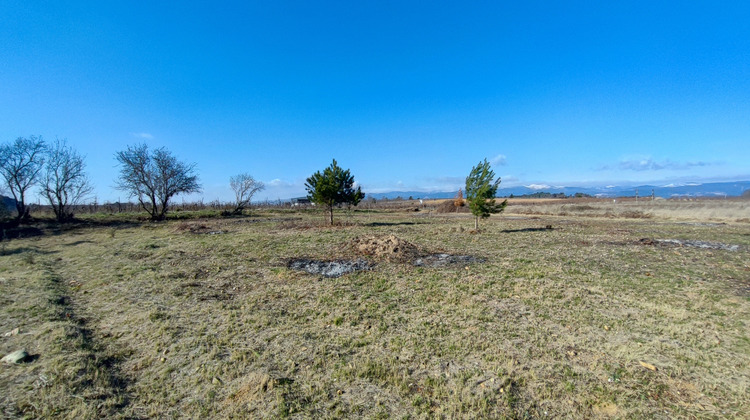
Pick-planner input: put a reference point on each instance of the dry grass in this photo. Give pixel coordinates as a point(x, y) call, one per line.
point(718, 211)
point(169, 320)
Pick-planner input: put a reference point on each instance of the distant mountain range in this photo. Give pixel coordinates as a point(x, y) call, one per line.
point(712, 189)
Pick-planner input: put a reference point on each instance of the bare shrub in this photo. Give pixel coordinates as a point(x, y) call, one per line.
point(635, 214)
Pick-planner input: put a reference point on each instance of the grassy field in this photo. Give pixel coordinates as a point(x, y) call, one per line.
point(570, 314)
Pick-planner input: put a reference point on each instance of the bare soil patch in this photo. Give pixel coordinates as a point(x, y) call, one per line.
point(381, 248)
point(394, 249)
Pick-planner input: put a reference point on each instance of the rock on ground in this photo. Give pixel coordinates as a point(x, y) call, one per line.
point(18, 356)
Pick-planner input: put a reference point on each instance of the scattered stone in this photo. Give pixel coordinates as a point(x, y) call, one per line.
point(18, 356)
point(330, 269)
point(14, 331)
point(216, 381)
point(441, 260)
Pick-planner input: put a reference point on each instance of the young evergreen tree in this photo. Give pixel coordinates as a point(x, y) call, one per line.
point(332, 187)
point(481, 188)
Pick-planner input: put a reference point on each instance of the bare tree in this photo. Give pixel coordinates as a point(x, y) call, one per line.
point(20, 164)
point(244, 187)
point(64, 180)
point(154, 178)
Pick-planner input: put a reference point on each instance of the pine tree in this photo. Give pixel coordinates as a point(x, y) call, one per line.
point(481, 188)
point(332, 187)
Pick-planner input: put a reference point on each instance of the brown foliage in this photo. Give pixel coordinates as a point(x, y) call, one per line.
point(458, 201)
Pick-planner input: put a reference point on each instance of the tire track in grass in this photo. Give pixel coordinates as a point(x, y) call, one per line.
point(97, 379)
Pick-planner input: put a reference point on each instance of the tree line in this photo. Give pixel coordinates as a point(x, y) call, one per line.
point(155, 177)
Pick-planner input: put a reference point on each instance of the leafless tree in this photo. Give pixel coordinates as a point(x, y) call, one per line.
point(64, 180)
point(154, 178)
point(20, 164)
point(244, 187)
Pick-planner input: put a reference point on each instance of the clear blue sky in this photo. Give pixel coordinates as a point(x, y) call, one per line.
point(408, 95)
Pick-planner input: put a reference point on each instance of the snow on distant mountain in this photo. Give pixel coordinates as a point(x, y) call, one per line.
point(713, 189)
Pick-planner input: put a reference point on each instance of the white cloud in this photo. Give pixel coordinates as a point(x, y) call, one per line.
point(146, 136)
point(276, 183)
point(498, 160)
point(538, 186)
point(642, 164)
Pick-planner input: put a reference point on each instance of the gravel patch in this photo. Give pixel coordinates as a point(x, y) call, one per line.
point(442, 260)
point(690, 243)
point(330, 269)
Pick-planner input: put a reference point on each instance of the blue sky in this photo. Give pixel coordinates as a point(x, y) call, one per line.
point(408, 95)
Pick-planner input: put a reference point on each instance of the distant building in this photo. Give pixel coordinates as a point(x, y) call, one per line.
point(300, 201)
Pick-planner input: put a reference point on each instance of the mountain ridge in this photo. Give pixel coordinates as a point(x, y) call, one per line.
point(708, 189)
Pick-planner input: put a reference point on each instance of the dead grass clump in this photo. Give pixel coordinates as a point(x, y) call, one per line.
point(254, 388)
point(197, 228)
point(635, 214)
point(387, 247)
point(312, 224)
point(298, 225)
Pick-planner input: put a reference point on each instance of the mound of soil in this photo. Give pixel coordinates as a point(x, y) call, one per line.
point(330, 269)
point(389, 247)
point(449, 206)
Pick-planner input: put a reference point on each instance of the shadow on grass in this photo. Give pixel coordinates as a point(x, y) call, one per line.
point(374, 224)
point(22, 232)
point(541, 229)
point(79, 243)
point(26, 250)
